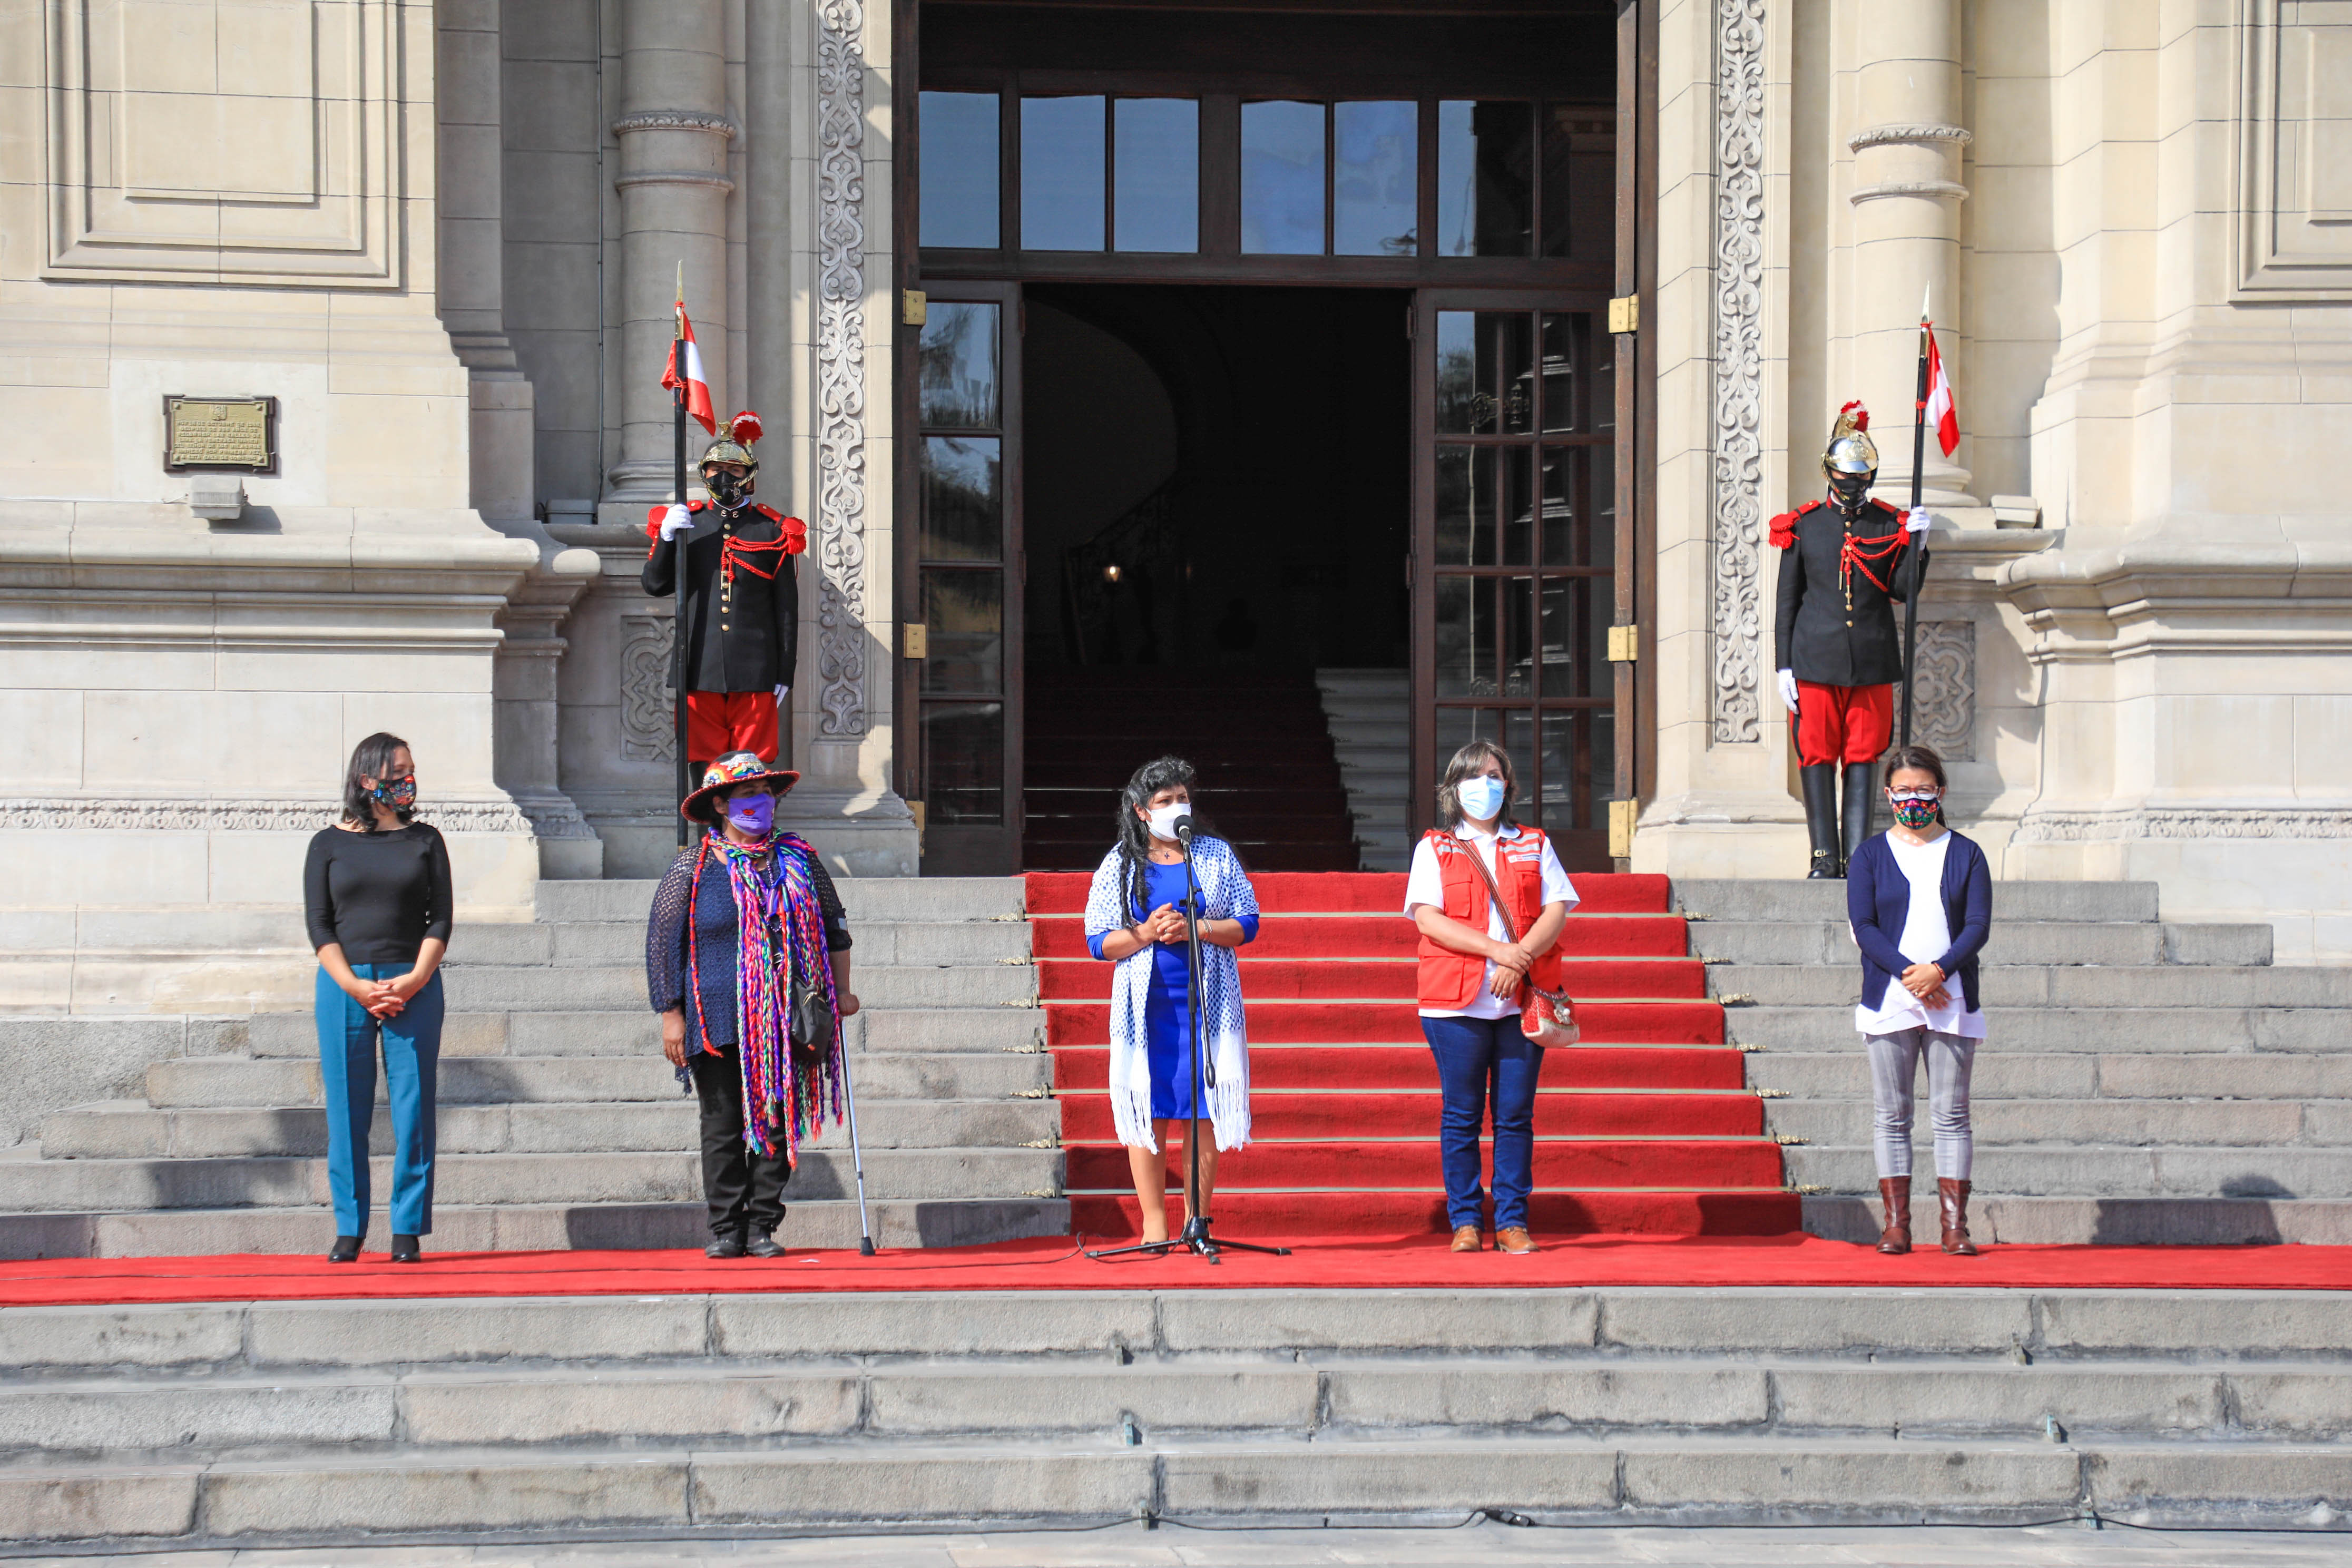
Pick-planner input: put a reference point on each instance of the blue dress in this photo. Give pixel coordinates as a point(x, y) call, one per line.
point(1167, 1010)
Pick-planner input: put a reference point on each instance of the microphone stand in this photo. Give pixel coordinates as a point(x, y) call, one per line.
point(1195, 1236)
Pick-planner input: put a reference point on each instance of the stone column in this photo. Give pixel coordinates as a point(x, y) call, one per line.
point(1906, 226)
point(674, 130)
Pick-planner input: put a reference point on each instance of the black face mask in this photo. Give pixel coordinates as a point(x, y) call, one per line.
point(1851, 490)
point(727, 489)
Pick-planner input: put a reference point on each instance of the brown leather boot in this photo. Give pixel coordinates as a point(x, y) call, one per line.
point(1894, 1194)
point(1952, 1198)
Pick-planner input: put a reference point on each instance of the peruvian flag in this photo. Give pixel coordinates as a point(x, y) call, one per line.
point(698, 392)
point(1941, 412)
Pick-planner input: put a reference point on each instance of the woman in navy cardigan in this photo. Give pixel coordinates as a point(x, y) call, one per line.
point(1920, 900)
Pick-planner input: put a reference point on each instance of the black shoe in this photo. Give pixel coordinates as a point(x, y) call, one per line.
point(763, 1246)
point(724, 1246)
point(346, 1250)
point(1858, 805)
point(1819, 783)
point(405, 1250)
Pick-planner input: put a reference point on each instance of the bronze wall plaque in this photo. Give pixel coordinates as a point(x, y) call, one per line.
point(238, 434)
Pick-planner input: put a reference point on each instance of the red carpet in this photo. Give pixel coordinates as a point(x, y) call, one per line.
point(1052, 1264)
point(1647, 1129)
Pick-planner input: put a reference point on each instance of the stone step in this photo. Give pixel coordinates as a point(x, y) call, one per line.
point(2018, 942)
point(2027, 985)
point(2009, 1219)
point(123, 1130)
point(36, 1186)
point(519, 988)
point(747, 1404)
point(633, 1031)
point(1760, 899)
point(876, 899)
point(2110, 1122)
point(2212, 1076)
point(874, 944)
point(2077, 1170)
point(525, 1227)
point(2183, 1030)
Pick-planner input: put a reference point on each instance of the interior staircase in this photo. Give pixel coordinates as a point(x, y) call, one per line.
point(1268, 778)
point(1647, 1127)
point(2143, 1080)
point(1369, 714)
point(559, 1123)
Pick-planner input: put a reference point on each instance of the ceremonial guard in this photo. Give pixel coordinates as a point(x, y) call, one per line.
point(1843, 564)
point(741, 607)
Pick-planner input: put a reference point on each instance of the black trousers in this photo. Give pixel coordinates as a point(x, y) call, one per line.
point(745, 1189)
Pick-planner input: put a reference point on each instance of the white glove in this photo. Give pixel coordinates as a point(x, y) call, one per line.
point(1789, 688)
point(1916, 520)
point(674, 522)
point(783, 692)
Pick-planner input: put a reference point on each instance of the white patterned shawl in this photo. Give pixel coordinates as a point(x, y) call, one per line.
point(1226, 895)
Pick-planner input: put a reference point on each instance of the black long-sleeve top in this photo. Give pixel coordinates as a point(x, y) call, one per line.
point(741, 627)
point(716, 940)
point(1815, 632)
point(380, 895)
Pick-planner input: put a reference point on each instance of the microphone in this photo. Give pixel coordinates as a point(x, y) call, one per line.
point(1185, 829)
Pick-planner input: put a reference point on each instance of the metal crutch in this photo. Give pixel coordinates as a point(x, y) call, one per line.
point(857, 1155)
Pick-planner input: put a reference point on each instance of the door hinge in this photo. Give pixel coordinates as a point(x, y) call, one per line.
point(915, 639)
point(1622, 814)
point(915, 307)
point(1624, 644)
point(1625, 314)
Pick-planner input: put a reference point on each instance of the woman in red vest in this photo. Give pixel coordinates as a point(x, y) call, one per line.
point(1472, 969)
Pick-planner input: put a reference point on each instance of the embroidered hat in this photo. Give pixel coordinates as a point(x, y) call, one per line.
point(734, 768)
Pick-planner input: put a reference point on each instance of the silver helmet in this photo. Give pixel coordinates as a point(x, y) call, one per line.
point(1850, 459)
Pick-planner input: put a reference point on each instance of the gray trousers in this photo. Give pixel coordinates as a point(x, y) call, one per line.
point(1893, 1069)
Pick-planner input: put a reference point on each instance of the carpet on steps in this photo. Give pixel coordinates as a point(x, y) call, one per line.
point(1057, 1263)
point(1649, 1130)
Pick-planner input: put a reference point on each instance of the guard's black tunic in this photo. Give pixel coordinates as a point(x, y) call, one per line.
point(744, 638)
point(1814, 633)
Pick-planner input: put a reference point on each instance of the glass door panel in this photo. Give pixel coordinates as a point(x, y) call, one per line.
point(1515, 551)
point(967, 679)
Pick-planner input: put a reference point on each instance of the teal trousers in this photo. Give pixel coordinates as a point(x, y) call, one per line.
point(411, 1039)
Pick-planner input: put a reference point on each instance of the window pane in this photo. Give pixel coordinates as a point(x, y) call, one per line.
point(1460, 409)
point(1567, 737)
point(1579, 182)
point(963, 762)
point(1457, 727)
point(964, 499)
point(965, 613)
point(959, 170)
point(958, 364)
point(1485, 372)
point(1375, 165)
point(1282, 178)
point(1486, 637)
point(1061, 173)
point(1485, 505)
point(1156, 205)
point(1485, 168)
point(1562, 467)
point(1570, 641)
point(1563, 341)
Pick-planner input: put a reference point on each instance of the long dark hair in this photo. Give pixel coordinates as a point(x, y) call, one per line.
point(1134, 836)
point(1923, 758)
point(1472, 754)
point(371, 759)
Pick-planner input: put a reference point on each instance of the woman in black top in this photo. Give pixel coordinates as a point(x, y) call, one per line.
point(376, 896)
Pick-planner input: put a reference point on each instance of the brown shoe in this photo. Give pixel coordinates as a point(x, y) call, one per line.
point(1952, 1198)
point(1514, 1239)
point(1894, 1195)
point(1465, 1238)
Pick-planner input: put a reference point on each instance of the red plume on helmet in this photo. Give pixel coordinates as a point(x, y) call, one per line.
point(744, 429)
point(1855, 412)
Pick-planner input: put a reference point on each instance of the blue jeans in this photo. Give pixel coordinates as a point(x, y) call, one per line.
point(412, 1055)
point(1477, 1058)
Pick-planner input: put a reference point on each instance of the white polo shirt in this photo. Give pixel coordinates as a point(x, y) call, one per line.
point(1426, 885)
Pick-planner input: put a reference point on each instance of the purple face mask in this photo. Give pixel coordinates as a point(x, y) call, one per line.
point(753, 813)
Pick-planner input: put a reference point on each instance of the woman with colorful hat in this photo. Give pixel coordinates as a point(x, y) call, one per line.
point(747, 963)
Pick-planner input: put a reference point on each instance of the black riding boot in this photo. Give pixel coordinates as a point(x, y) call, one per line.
point(1820, 783)
point(1857, 808)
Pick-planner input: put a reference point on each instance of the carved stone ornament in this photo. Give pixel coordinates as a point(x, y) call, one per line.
point(648, 723)
point(1735, 505)
point(2201, 821)
point(213, 815)
point(1944, 689)
point(841, 369)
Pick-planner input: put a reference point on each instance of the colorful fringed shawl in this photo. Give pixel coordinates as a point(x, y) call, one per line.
point(780, 933)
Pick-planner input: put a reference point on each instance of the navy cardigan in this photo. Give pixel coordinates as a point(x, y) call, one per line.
point(1878, 898)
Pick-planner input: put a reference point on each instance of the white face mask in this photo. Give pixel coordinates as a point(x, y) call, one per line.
point(1164, 818)
point(1481, 799)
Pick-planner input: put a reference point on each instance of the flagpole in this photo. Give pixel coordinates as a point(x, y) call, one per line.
point(1913, 543)
point(678, 561)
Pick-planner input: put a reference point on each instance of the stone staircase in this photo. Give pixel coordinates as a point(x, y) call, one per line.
point(2143, 1080)
point(1369, 714)
point(559, 1124)
point(585, 1417)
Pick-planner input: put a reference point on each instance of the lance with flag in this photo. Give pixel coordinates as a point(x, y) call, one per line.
point(690, 395)
point(1934, 405)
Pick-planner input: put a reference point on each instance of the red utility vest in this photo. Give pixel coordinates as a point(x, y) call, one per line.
point(1450, 979)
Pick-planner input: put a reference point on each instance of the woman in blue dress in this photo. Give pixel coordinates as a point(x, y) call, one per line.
point(1135, 919)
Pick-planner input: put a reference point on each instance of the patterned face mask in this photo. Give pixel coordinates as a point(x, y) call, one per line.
point(1914, 811)
point(397, 793)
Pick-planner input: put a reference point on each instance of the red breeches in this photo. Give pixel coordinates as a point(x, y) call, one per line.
point(717, 722)
point(1848, 725)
